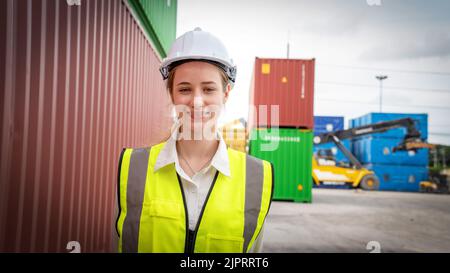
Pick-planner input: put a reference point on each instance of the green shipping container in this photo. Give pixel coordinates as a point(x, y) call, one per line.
point(290, 152)
point(159, 19)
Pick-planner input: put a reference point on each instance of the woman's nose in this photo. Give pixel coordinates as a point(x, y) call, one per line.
point(198, 102)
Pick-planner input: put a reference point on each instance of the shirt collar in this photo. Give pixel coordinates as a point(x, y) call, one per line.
point(168, 154)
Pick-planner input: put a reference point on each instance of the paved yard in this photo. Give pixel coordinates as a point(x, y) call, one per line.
point(346, 220)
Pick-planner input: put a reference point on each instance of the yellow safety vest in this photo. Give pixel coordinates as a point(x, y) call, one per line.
point(153, 214)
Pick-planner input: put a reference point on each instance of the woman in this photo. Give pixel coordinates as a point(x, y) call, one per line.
point(190, 193)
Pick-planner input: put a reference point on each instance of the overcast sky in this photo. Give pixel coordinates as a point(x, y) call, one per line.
point(352, 41)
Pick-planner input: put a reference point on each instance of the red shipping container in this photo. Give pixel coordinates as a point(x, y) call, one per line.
point(286, 83)
point(79, 83)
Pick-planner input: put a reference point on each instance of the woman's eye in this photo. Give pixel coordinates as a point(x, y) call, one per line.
point(184, 90)
point(210, 89)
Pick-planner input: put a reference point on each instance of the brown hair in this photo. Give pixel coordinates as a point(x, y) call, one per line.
point(169, 83)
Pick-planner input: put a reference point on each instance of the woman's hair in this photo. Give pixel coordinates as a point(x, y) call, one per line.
point(169, 83)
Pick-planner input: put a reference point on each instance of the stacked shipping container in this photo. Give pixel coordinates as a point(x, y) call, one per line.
point(291, 155)
point(80, 83)
point(401, 171)
point(281, 98)
point(327, 124)
point(284, 83)
point(157, 18)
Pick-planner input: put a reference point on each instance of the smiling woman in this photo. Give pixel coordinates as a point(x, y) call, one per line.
point(200, 90)
point(194, 194)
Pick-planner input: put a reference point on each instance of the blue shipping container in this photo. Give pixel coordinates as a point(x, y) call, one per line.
point(379, 151)
point(399, 178)
point(339, 156)
point(420, 119)
point(326, 124)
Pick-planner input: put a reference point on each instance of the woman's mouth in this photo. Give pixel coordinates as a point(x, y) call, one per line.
point(200, 115)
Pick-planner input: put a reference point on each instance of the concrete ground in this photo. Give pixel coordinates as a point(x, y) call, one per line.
point(347, 220)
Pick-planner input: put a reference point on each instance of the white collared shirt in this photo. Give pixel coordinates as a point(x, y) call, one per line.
point(196, 187)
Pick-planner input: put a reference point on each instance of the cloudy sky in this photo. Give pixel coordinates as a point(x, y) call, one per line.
point(352, 42)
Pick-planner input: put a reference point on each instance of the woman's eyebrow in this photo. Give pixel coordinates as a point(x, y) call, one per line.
point(181, 83)
point(210, 82)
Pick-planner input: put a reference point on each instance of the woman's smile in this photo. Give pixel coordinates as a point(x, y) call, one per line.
point(200, 115)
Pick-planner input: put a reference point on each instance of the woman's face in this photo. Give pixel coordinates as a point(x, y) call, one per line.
point(198, 92)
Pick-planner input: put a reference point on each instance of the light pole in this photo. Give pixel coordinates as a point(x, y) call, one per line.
point(381, 78)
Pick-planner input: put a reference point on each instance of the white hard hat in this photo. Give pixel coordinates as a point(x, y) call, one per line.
point(199, 45)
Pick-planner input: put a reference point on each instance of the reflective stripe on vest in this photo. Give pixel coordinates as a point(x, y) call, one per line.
point(131, 192)
point(254, 186)
point(153, 215)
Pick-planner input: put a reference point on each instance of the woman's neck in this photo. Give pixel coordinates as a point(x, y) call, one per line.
point(198, 149)
point(195, 154)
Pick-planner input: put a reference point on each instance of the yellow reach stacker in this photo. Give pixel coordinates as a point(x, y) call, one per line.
point(325, 171)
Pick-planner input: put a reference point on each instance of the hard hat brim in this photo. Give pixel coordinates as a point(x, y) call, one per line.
point(170, 64)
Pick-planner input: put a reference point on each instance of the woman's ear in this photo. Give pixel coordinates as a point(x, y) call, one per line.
point(170, 95)
point(227, 92)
